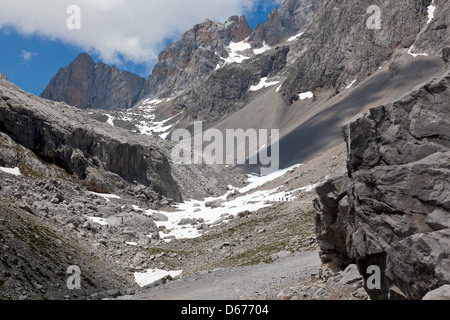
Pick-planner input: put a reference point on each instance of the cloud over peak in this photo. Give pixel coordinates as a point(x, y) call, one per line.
point(116, 30)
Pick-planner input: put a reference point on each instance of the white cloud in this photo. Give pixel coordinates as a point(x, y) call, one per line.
point(26, 55)
point(133, 29)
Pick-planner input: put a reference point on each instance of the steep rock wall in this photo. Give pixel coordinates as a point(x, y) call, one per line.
point(397, 203)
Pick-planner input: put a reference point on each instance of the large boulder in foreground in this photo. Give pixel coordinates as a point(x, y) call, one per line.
point(399, 194)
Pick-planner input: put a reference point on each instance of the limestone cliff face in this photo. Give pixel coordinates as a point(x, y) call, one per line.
point(393, 209)
point(85, 84)
point(103, 157)
point(227, 90)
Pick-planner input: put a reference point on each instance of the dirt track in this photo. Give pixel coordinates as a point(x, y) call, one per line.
point(262, 281)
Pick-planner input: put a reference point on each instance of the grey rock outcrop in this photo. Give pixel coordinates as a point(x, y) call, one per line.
point(350, 275)
point(436, 35)
point(443, 293)
point(105, 158)
point(418, 264)
point(227, 90)
point(399, 194)
point(85, 84)
point(332, 224)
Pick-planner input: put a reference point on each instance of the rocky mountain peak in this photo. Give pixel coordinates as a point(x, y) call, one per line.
point(242, 31)
point(85, 58)
point(195, 56)
point(289, 19)
point(204, 47)
point(85, 84)
point(208, 32)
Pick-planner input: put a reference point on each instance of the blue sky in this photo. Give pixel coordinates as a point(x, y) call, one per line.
point(31, 57)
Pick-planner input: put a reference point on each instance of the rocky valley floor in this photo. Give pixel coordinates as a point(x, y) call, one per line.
point(266, 250)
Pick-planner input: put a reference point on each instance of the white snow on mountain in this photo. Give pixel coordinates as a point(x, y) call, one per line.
point(416, 54)
point(431, 10)
point(153, 127)
point(256, 181)
point(105, 196)
point(153, 275)
point(235, 52)
point(293, 38)
point(262, 50)
point(204, 212)
point(306, 95)
point(99, 221)
point(263, 84)
point(154, 102)
point(13, 171)
point(351, 84)
point(144, 118)
point(110, 120)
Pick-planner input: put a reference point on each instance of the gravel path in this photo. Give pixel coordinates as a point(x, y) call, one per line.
point(262, 281)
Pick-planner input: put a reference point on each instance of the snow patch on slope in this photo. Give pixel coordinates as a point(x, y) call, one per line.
point(13, 171)
point(416, 54)
point(431, 10)
point(262, 50)
point(263, 84)
point(247, 200)
point(295, 37)
point(351, 84)
point(257, 181)
point(105, 196)
point(149, 126)
point(153, 275)
point(99, 221)
point(110, 120)
point(235, 49)
point(306, 95)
